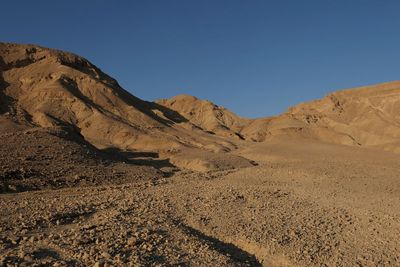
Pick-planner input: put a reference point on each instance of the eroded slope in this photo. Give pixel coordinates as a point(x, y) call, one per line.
point(43, 87)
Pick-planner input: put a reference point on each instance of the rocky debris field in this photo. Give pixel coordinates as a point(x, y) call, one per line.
point(106, 226)
point(59, 157)
point(293, 212)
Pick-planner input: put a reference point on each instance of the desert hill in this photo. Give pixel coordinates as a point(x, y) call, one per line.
point(207, 115)
point(58, 88)
point(367, 116)
point(43, 87)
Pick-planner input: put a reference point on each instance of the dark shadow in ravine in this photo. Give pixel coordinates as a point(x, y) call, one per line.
point(237, 255)
point(139, 157)
point(172, 115)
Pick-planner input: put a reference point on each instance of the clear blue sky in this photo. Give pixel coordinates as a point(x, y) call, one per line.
point(254, 57)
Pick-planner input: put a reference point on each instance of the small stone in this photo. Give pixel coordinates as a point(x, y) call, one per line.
point(85, 256)
point(106, 255)
point(132, 241)
point(28, 258)
point(21, 254)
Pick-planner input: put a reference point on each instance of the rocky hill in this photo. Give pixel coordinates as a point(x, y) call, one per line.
point(43, 88)
point(47, 88)
point(207, 115)
point(367, 116)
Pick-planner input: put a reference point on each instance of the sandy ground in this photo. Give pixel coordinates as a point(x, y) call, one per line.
point(305, 204)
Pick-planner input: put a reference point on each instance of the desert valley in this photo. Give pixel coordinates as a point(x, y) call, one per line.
point(91, 175)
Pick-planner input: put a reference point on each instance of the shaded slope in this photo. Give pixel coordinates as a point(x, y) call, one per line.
point(206, 115)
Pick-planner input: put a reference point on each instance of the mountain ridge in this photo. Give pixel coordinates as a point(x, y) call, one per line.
point(48, 88)
point(42, 87)
point(365, 116)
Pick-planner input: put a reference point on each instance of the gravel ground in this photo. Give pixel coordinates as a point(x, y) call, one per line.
point(333, 206)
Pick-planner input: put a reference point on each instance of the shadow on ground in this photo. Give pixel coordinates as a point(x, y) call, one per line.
point(139, 158)
point(237, 255)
